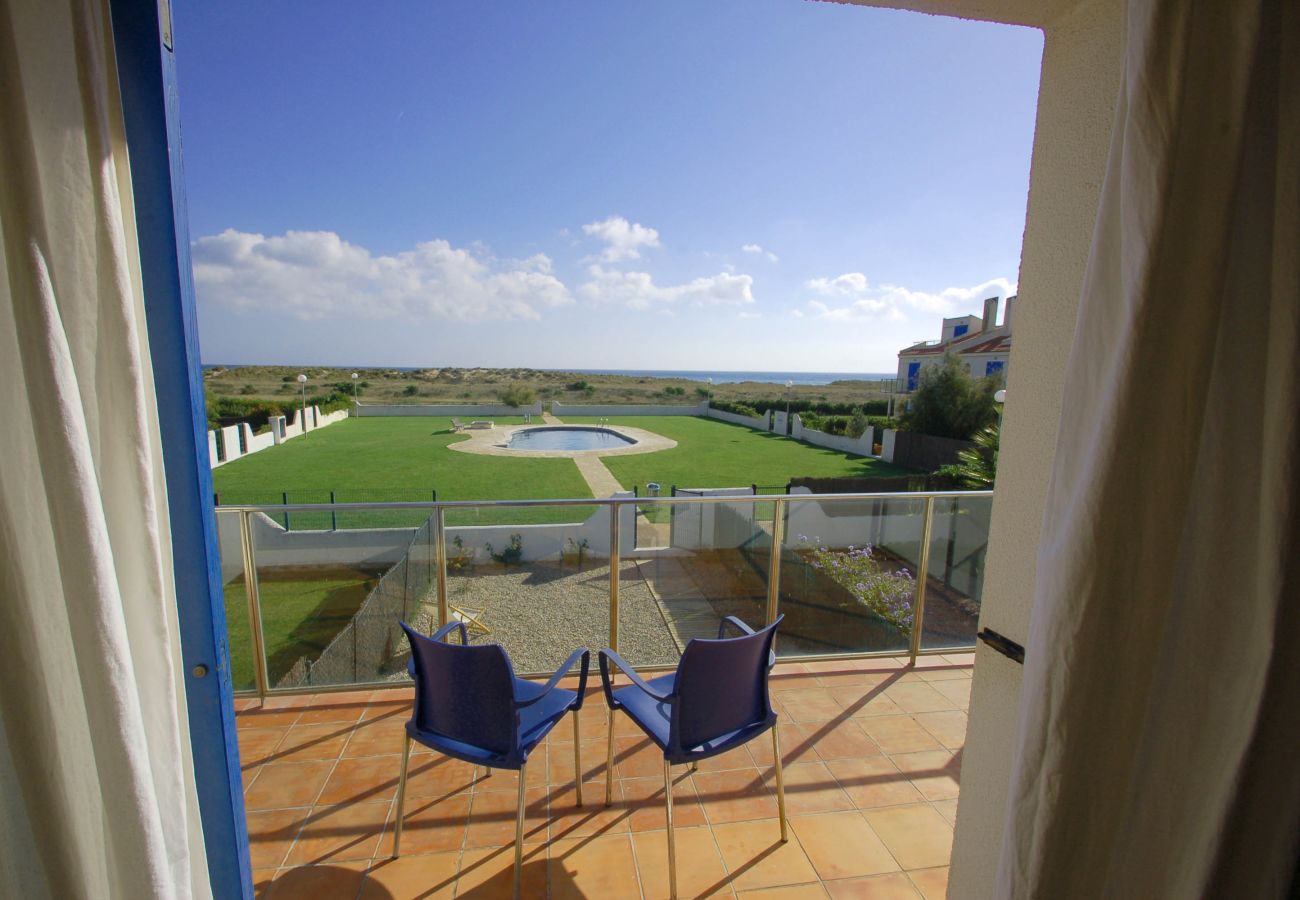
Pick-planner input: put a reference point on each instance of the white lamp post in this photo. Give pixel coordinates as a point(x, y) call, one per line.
point(708, 398)
point(302, 382)
point(789, 386)
point(354, 387)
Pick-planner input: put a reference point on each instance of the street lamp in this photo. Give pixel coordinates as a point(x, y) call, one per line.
point(354, 388)
point(708, 398)
point(302, 382)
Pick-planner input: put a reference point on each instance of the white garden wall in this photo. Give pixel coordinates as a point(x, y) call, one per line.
point(471, 410)
point(625, 409)
point(859, 446)
point(282, 428)
point(760, 423)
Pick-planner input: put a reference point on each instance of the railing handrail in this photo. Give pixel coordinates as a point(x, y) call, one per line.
point(432, 505)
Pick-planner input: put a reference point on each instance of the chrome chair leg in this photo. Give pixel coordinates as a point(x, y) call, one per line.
point(519, 832)
point(609, 763)
point(672, 843)
point(401, 796)
point(780, 785)
point(577, 758)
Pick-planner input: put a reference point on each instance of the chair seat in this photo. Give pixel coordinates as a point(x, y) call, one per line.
point(653, 718)
point(535, 722)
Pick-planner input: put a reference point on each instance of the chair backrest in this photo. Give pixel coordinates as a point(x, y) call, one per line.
point(466, 693)
point(722, 686)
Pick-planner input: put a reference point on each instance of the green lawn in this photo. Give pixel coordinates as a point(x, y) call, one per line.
point(301, 612)
point(710, 453)
point(400, 458)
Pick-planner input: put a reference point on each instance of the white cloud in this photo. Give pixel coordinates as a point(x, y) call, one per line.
point(317, 274)
point(637, 290)
point(757, 250)
point(892, 302)
point(623, 239)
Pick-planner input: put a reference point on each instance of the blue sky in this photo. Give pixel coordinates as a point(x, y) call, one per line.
point(757, 184)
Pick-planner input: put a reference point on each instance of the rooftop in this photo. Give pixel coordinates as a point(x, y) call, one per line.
point(872, 752)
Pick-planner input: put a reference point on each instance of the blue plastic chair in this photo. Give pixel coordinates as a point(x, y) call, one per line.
point(715, 701)
point(469, 705)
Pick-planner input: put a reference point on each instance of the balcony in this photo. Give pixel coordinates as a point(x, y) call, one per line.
point(872, 749)
point(871, 689)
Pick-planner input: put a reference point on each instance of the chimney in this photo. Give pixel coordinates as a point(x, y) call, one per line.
point(1006, 312)
point(990, 314)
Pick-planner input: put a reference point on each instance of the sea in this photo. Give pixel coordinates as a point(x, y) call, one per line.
point(719, 377)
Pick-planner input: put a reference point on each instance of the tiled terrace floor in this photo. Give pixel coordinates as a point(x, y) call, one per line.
point(872, 751)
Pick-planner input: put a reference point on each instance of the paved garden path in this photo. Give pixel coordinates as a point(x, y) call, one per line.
point(599, 478)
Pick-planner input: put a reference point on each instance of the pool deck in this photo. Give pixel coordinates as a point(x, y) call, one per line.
point(490, 442)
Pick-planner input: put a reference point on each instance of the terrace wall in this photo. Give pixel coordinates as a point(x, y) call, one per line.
point(759, 423)
point(859, 446)
point(282, 429)
point(471, 410)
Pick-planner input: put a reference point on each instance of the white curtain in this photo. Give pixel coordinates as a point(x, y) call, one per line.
point(1159, 745)
point(96, 781)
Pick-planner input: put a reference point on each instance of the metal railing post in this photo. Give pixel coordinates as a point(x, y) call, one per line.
point(774, 563)
point(614, 537)
point(334, 514)
point(260, 677)
point(918, 611)
point(440, 564)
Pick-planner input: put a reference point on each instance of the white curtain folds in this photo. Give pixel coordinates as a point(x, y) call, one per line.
point(1157, 753)
point(96, 781)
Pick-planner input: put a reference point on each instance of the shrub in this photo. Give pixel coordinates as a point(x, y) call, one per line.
point(410, 390)
point(740, 409)
point(577, 385)
point(858, 423)
point(887, 594)
point(675, 391)
point(517, 395)
point(949, 403)
point(511, 554)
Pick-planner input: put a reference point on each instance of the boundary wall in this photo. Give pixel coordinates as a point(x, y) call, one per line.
point(859, 446)
point(445, 409)
point(625, 409)
point(758, 423)
point(238, 440)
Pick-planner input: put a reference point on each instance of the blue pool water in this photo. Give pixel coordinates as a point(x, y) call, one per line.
point(567, 438)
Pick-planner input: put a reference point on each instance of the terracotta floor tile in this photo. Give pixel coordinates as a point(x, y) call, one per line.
point(736, 758)
point(490, 874)
point(568, 820)
point(797, 745)
point(932, 883)
point(258, 717)
point(262, 879)
point(377, 737)
point(814, 891)
point(844, 740)
point(808, 704)
point(643, 800)
point(842, 845)
point(341, 880)
point(811, 788)
point(389, 711)
point(592, 724)
point(873, 782)
point(935, 773)
point(247, 775)
point(947, 809)
point(271, 834)
point(878, 704)
point(435, 775)
point(917, 836)
point(308, 742)
point(430, 826)
point(288, 784)
point(896, 886)
point(948, 728)
point(560, 762)
point(347, 832)
point(328, 708)
point(593, 867)
point(700, 872)
point(855, 682)
point(492, 818)
point(961, 659)
point(918, 698)
point(756, 858)
point(257, 745)
point(956, 691)
point(899, 734)
point(947, 673)
point(735, 796)
point(431, 876)
point(362, 780)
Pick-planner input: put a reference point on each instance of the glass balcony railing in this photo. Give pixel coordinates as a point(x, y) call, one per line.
point(316, 608)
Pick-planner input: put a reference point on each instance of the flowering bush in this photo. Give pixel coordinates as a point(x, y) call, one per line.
point(887, 594)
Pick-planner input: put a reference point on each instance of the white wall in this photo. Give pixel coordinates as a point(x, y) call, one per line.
point(887, 442)
point(695, 525)
point(778, 421)
point(628, 409)
point(282, 429)
point(470, 410)
point(859, 446)
point(757, 422)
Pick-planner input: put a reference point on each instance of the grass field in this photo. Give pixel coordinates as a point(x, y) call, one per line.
point(710, 454)
point(301, 613)
point(390, 459)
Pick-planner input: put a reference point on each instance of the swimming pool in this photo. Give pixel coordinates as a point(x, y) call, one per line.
point(569, 437)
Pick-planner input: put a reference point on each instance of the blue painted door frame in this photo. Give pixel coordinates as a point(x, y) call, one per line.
point(147, 76)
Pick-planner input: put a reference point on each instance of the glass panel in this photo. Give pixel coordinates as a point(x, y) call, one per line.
point(714, 564)
point(331, 600)
point(959, 540)
point(847, 575)
point(238, 635)
point(534, 580)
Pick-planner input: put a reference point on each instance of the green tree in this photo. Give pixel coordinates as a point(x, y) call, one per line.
point(949, 403)
point(977, 467)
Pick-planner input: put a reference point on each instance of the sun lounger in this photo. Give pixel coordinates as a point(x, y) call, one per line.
point(457, 425)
